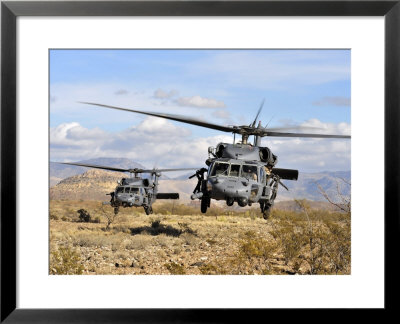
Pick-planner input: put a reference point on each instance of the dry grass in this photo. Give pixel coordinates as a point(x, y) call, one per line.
point(308, 242)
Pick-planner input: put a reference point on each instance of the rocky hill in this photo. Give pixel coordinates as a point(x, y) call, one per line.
point(59, 171)
point(95, 184)
point(91, 185)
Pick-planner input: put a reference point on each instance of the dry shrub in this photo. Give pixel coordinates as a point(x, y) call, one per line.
point(189, 239)
point(255, 251)
point(137, 243)
point(338, 246)
point(290, 239)
point(65, 261)
point(98, 240)
point(175, 268)
point(319, 240)
point(208, 269)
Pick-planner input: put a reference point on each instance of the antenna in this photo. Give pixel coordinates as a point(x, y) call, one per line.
point(270, 121)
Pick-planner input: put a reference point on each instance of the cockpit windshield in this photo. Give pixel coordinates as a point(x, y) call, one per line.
point(235, 170)
point(250, 172)
point(220, 168)
point(120, 190)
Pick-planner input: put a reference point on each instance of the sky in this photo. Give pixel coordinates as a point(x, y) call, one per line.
point(300, 88)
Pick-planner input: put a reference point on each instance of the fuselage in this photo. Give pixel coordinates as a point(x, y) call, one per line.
point(236, 180)
point(134, 192)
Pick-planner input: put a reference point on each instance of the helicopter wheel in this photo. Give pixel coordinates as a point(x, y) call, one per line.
point(116, 210)
point(267, 213)
point(147, 210)
point(204, 204)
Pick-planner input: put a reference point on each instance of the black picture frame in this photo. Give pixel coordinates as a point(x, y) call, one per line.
point(10, 10)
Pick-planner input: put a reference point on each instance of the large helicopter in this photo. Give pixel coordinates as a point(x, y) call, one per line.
point(136, 191)
point(239, 172)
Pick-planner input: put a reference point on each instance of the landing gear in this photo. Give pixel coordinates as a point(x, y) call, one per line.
point(230, 201)
point(148, 210)
point(267, 212)
point(265, 209)
point(205, 203)
point(116, 210)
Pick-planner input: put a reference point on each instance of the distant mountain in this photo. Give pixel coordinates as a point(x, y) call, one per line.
point(91, 185)
point(184, 176)
point(306, 187)
point(95, 183)
point(59, 171)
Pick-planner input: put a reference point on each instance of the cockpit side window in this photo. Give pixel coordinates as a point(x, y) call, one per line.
point(262, 173)
point(250, 172)
point(235, 170)
point(220, 169)
point(120, 189)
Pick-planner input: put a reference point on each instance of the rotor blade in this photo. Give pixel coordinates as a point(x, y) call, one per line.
point(165, 170)
point(96, 166)
point(178, 118)
point(297, 128)
point(279, 134)
point(281, 183)
point(258, 113)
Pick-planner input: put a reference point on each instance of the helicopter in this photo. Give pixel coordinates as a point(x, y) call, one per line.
point(240, 172)
point(135, 191)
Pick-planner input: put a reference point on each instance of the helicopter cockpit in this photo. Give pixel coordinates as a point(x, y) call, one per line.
point(236, 170)
point(128, 190)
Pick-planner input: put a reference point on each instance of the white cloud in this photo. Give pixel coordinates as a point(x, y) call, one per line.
point(159, 142)
point(328, 128)
point(161, 94)
point(333, 101)
point(121, 92)
point(314, 154)
point(200, 102)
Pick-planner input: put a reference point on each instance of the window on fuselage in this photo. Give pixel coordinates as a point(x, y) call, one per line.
point(120, 190)
point(250, 172)
point(235, 170)
point(262, 173)
point(220, 169)
point(134, 190)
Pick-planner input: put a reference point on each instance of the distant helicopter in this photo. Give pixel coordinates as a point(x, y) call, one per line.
point(240, 172)
point(136, 191)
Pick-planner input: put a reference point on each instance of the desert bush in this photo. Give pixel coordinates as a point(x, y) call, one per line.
point(186, 229)
point(139, 242)
point(84, 215)
point(253, 253)
point(189, 239)
point(338, 246)
point(53, 216)
point(290, 238)
point(175, 268)
point(65, 261)
point(208, 269)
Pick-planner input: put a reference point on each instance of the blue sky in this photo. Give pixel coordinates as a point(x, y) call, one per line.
point(300, 87)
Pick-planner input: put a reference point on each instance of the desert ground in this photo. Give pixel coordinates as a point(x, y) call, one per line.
point(178, 239)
